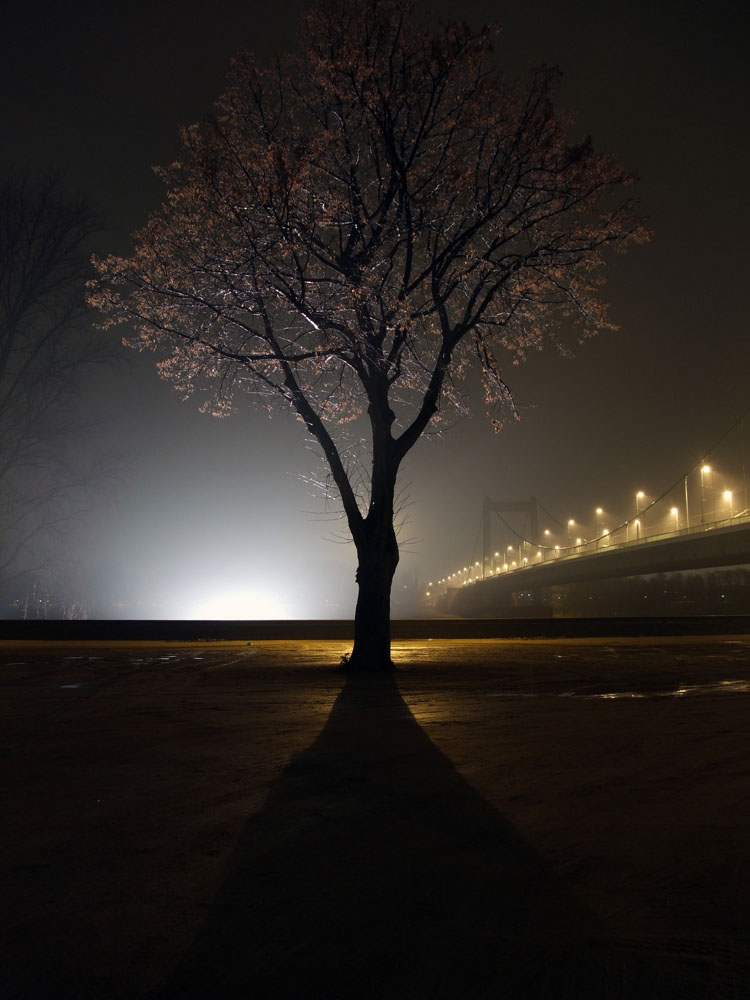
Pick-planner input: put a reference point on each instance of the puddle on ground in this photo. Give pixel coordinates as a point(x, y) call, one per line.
point(720, 687)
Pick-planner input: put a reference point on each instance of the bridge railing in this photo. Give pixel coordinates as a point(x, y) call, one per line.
point(605, 543)
point(599, 546)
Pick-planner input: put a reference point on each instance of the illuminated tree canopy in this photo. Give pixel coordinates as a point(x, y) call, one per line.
point(355, 227)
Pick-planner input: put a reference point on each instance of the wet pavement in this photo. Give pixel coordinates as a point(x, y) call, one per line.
point(225, 819)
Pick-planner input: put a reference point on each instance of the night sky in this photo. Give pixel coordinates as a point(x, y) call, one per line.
point(205, 508)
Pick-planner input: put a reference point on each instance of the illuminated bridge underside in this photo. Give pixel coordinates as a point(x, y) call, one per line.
point(715, 547)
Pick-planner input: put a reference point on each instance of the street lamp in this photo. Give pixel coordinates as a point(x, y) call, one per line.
point(705, 471)
point(571, 525)
point(728, 498)
point(676, 515)
point(548, 538)
point(640, 505)
point(598, 515)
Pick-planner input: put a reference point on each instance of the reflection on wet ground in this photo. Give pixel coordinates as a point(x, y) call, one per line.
point(719, 687)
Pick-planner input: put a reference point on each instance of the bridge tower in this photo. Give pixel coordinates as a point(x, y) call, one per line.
point(489, 507)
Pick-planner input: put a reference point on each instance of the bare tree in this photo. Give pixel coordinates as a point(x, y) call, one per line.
point(44, 347)
point(352, 230)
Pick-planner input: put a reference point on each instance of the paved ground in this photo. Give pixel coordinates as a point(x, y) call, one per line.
point(500, 818)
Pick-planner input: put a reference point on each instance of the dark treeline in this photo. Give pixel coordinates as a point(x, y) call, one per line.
point(720, 591)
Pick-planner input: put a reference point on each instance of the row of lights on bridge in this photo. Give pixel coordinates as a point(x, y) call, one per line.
point(470, 574)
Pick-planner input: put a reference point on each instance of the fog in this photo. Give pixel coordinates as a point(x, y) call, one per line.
point(217, 518)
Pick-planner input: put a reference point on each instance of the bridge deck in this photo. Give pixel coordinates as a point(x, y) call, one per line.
point(710, 546)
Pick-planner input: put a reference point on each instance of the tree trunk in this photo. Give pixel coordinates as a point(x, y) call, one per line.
point(375, 540)
point(378, 558)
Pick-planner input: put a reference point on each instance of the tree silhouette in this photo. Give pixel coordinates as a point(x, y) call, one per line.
point(353, 229)
point(44, 348)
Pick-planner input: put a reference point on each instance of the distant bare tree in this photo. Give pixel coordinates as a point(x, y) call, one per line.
point(353, 230)
point(45, 345)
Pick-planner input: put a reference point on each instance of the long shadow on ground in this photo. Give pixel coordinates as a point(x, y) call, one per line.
point(375, 870)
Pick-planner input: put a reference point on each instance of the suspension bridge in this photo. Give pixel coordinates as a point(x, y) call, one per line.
point(701, 521)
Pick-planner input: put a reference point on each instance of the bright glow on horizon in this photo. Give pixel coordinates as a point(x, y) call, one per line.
point(239, 605)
